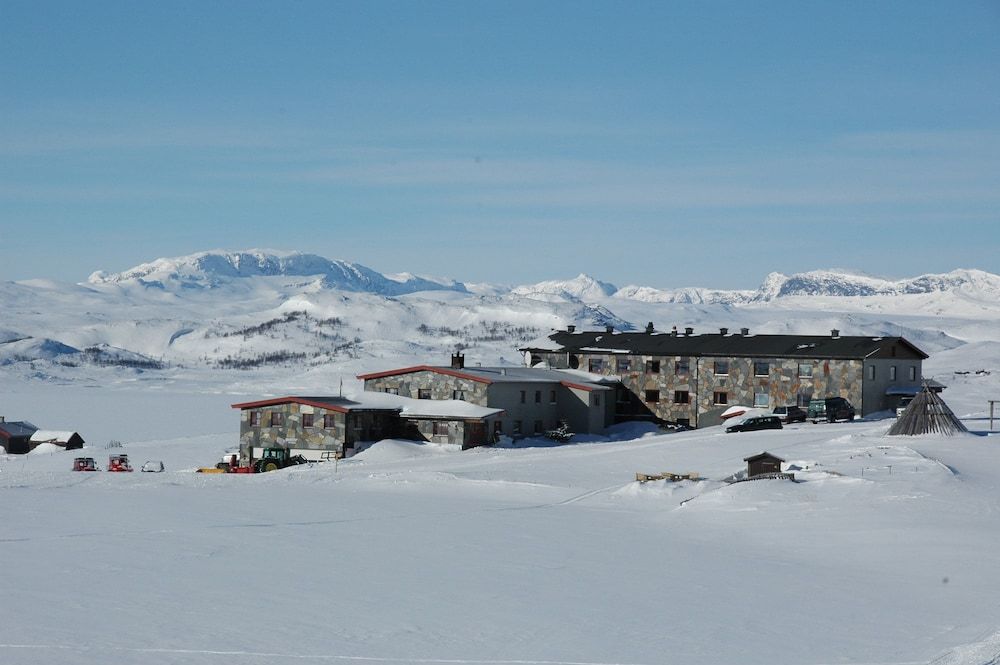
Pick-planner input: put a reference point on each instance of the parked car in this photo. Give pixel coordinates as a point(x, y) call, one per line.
point(756, 423)
point(790, 414)
point(830, 409)
point(903, 403)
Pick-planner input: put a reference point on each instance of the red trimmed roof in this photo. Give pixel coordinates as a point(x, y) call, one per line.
point(345, 406)
point(425, 368)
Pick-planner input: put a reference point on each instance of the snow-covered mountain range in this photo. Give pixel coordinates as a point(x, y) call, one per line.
point(299, 315)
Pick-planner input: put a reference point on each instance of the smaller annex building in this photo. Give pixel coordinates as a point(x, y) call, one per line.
point(324, 427)
point(15, 436)
point(531, 399)
point(67, 440)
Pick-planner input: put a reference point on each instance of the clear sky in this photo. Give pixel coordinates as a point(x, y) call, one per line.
point(664, 143)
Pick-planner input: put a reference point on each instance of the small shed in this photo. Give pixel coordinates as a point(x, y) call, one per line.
point(67, 440)
point(763, 463)
point(15, 436)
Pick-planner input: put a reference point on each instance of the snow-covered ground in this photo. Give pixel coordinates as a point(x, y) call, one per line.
point(884, 552)
point(408, 553)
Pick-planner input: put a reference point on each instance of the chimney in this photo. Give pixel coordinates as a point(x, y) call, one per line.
point(673, 331)
point(649, 328)
point(688, 332)
point(571, 329)
point(744, 331)
point(723, 331)
point(609, 329)
point(458, 360)
point(835, 333)
point(503, 371)
point(3, 419)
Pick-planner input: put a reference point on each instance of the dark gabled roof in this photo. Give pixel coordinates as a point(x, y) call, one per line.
point(761, 346)
point(763, 455)
point(10, 429)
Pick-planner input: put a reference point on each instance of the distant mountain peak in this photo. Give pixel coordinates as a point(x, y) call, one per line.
point(215, 268)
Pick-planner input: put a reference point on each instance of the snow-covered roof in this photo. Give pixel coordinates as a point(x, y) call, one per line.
point(427, 408)
point(51, 436)
point(514, 374)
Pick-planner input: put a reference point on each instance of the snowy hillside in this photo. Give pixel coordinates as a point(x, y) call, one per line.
point(304, 320)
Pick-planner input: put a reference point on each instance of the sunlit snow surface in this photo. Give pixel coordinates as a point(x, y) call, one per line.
point(885, 552)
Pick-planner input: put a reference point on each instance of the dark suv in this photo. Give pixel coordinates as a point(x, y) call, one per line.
point(830, 409)
point(756, 423)
point(790, 414)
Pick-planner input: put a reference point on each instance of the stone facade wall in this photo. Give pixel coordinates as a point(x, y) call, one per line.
point(345, 430)
point(291, 433)
point(782, 384)
point(441, 386)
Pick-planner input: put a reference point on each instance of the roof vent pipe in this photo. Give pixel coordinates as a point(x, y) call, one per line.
point(723, 331)
point(835, 333)
point(673, 331)
point(458, 360)
point(649, 328)
point(571, 329)
point(744, 331)
point(609, 329)
point(688, 332)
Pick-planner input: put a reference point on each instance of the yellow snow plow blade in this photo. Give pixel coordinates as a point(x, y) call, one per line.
point(206, 469)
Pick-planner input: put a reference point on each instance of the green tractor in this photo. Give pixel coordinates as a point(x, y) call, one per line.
point(273, 459)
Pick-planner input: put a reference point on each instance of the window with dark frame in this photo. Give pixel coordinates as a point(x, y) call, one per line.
point(423, 393)
point(871, 372)
point(652, 395)
point(682, 367)
point(913, 373)
point(652, 366)
point(440, 428)
point(552, 397)
point(805, 370)
point(624, 364)
point(720, 397)
point(761, 368)
point(516, 427)
point(524, 396)
point(597, 399)
point(307, 420)
point(892, 372)
point(458, 394)
point(392, 391)
point(277, 419)
point(721, 368)
point(596, 365)
point(682, 397)
point(329, 421)
point(761, 400)
point(538, 397)
point(255, 419)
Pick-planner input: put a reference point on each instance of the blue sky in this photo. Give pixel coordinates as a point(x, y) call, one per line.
point(665, 143)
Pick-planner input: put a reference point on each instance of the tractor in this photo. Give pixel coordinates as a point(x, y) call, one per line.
point(119, 463)
point(273, 459)
point(84, 464)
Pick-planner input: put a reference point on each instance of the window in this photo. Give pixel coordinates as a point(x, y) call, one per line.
point(539, 427)
point(892, 373)
point(681, 397)
point(458, 394)
point(652, 366)
point(255, 419)
point(652, 395)
point(307, 420)
point(277, 419)
point(805, 370)
point(538, 397)
point(423, 393)
point(392, 391)
point(596, 365)
point(761, 368)
point(719, 397)
point(761, 400)
point(721, 368)
point(552, 397)
point(524, 396)
point(624, 364)
point(597, 399)
point(440, 428)
point(871, 372)
point(682, 367)
point(913, 373)
point(684, 422)
point(517, 427)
